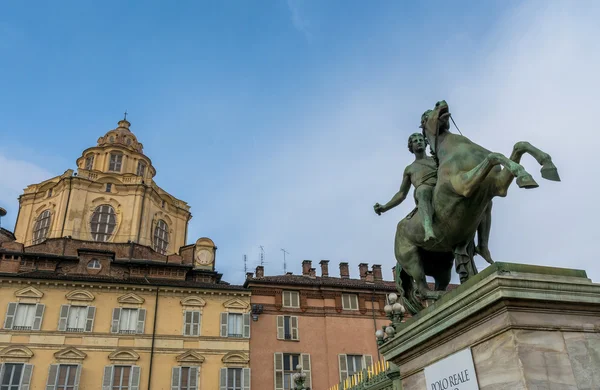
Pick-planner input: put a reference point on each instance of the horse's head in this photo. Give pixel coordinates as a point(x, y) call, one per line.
point(436, 121)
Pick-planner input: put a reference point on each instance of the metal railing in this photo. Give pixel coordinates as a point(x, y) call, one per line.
point(375, 373)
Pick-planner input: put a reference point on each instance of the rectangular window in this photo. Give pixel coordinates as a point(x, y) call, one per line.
point(191, 323)
point(291, 299)
point(290, 362)
point(141, 168)
point(129, 320)
point(108, 187)
point(121, 378)
point(234, 325)
point(116, 160)
point(76, 318)
point(11, 378)
point(287, 328)
point(66, 378)
point(24, 316)
point(89, 162)
point(349, 302)
point(286, 365)
point(351, 364)
point(234, 379)
point(184, 378)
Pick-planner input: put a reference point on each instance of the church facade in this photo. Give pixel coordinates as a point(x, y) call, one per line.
point(100, 290)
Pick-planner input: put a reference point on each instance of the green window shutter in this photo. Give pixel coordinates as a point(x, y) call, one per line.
point(175, 378)
point(39, 315)
point(63, 317)
point(246, 379)
point(343, 367)
point(77, 377)
point(26, 376)
point(223, 379)
point(187, 323)
point(246, 323)
point(305, 361)
point(116, 318)
point(10, 315)
point(280, 328)
point(141, 321)
point(107, 379)
point(224, 318)
point(89, 322)
point(193, 383)
point(135, 377)
point(278, 368)
point(52, 374)
point(197, 323)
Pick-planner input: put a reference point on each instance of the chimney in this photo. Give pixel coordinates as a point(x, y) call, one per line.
point(362, 270)
point(394, 273)
point(312, 273)
point(344, 271)
point(377, 275)
point(249, 275)
point(260, 271)
point(324, 268)
point(369, 277)
point(306, 264)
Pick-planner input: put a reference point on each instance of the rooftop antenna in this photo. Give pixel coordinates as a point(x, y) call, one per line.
point(262, 255)
point(284, 263)
point(2, 214)
point(245, 264)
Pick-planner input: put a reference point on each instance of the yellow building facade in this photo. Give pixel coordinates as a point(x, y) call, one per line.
point(93, 297)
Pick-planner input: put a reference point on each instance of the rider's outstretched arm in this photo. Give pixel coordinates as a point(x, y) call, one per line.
point(401, 194)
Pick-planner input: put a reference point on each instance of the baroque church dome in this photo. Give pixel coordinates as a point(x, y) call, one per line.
point(121, 136)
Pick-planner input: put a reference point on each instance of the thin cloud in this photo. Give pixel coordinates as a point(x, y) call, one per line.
point(300, 22)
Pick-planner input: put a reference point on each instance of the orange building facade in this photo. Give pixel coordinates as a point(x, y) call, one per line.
point(324, 324)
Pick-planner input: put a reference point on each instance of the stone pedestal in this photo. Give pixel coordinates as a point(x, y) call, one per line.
point(528, 327)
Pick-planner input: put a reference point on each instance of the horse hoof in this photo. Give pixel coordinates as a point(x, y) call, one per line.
point(549, 172)
point(526, 181)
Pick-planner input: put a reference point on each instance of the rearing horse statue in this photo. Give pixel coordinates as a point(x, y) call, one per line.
point(469, 176)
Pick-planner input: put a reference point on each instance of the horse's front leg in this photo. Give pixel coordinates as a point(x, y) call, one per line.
point(548, 170)
point(467, 183)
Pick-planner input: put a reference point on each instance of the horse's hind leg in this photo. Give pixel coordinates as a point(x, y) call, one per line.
point(409, 258)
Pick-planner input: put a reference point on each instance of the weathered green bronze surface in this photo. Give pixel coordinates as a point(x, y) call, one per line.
point(442, 232)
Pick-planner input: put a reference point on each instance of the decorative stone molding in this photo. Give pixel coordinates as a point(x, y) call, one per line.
point(130, 300)
point(77, 296)
point(235, 359)
point(70, 355)
point(16, 353)
point(193, 303)
point(124, 356)
point(29, 294)
point(236, 305)
point(190, 357)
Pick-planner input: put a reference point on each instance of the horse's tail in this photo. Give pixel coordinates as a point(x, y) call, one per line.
point(406, 288)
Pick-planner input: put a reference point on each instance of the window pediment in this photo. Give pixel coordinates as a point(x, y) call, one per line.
point(235, 358)
point(29, 293)
point(236, 304)
point(131, 298)
point(17, 353)
point(190, 357)
point(193, 301)
point(70, 354)
point(80, 295)
point(124, 356)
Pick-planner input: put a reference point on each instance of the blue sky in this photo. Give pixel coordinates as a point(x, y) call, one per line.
point(282, 122)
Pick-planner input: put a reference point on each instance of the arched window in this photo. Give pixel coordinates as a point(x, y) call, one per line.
point(94, 264)
point(40, 229)
point(104, 221)
point(161, 237)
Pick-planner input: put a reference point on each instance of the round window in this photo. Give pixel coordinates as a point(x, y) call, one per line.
point(94, 264)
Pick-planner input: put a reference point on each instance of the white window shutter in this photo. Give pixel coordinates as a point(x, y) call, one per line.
point(77, 377)
point(141, 320)
point(305, 361)
point(52, 374)
point(294, 326)
point(223, 379)
point(63, 317)
point(198, 318)
point(116, 318)
point(187, 323)
point(287, 299)
point(175, 378)
point(89, 322)
point(193, 383)
point(296, 299)
point(246, 322)
point(278, 368)
point(367, 361)
point(135, 378)
point(26, 376)
point(245, 379)
point(107, 379)
point(10, 315)
point(280, 328)
point(39, 315)
point(343, 367)
point(224, 318)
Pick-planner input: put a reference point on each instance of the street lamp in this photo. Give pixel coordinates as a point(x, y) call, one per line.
point(299, 378)
point(394, 310)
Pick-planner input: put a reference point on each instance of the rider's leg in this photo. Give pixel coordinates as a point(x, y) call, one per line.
point(483, 235)
point(424, 196)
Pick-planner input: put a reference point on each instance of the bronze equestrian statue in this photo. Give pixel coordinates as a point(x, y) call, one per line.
point(468, 178)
